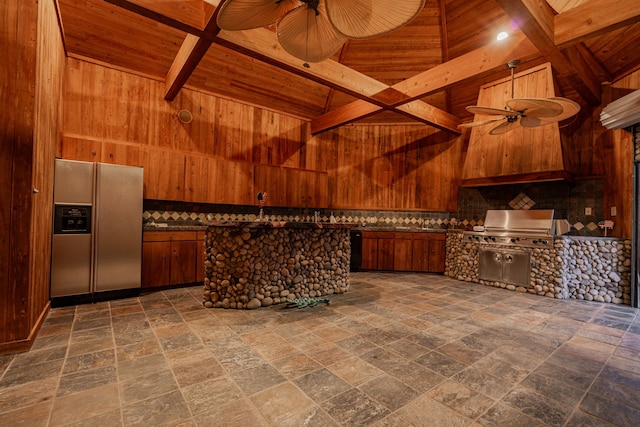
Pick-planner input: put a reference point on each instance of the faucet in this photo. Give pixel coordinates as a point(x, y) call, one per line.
point(316, 216)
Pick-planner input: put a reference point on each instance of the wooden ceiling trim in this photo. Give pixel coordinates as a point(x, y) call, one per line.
point(579, 24)
point(536, 25)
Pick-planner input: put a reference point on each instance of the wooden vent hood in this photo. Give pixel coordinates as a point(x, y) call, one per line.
point(520, 155)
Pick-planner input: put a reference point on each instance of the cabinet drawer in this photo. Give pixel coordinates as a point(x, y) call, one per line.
point(378, 234)
point(163, 236)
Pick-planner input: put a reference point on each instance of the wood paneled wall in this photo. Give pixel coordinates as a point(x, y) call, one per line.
point(402, 167)
point(230, 151)
point(608, 154)
point(31, 87)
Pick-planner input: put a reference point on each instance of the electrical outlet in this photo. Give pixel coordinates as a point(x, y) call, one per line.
point(587, 211)
point(613, 211)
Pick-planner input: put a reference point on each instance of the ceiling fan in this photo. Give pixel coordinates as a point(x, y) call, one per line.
point(313, 30)
point(525, 112)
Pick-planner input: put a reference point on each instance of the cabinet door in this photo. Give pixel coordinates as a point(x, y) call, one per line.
point(369, 253)
point(183, 261)
point(437, 254)
point(155, 263)
point(403, 252)
point(386, 253)
point(421, 253)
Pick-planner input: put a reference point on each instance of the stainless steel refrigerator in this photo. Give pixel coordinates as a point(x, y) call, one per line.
point(97, 238)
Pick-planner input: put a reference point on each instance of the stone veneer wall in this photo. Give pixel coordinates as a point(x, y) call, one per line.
point(591, 269)
point(253, 267)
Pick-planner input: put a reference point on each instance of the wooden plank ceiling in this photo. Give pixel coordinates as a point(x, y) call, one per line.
point(426, 72)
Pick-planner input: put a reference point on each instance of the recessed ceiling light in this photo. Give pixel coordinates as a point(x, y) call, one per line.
point(502, 35)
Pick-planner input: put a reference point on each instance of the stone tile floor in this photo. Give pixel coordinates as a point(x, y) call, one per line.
point(396, 350)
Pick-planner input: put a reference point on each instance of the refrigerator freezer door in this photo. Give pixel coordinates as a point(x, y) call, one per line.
point(118, 227)
point(73, 182)
point(71, 264)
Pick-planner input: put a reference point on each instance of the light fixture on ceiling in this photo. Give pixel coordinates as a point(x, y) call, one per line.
point(313, 30)
point(502, 35)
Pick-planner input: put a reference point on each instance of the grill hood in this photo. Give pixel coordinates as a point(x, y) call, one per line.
point(536, 221)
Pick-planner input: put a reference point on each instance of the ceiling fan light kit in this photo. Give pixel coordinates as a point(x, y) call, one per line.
point(313, 30)
point(525, 112)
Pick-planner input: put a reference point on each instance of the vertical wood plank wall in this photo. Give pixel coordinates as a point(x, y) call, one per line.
point(230, 151)
point(31, 88)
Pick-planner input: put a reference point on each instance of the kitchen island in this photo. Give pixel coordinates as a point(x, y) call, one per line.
point(262, 263)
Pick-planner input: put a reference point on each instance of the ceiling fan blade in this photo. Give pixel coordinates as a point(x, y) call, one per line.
point(536, 107)
point(490, 111)
point(531, 122)
point(248, 14)
point(481, 122)
point(364, 19)
point(504, 127)
point(569, 109)
point(308, 36)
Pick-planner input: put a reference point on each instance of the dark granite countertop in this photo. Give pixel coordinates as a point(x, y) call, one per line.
point(277, 224)
point(164, 227)
point(284, 224)
point(403, 229)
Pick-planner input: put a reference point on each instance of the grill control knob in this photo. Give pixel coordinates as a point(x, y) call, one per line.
point(545, 242)
point(514, 239)
point(535, 242)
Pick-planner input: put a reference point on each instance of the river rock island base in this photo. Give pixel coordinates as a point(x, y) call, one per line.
point(259, 264)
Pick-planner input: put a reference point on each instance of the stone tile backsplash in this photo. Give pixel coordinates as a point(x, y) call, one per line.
point(568, 200)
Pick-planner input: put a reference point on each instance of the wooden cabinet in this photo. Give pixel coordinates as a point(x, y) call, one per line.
point(172, 258)
point(407, 251)
point(403, 252)
point(437, 254)
point(428, 252)
point(369, 251)
point(377, 250)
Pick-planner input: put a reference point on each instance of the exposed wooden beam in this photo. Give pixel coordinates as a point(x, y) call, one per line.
point(191, 52)
point(593, 18)
point(262, 44)
point(480, 61)
point(189, 56)
point(536, 19)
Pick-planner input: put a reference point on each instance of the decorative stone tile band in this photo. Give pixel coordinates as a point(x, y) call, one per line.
point(591, 269)
point(250, 267)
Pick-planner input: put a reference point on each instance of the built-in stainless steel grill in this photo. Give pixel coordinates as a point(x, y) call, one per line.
point(506, 241)
point(527, 228)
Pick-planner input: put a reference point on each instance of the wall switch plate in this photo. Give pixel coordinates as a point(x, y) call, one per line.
point(587, 211)
point(613, 211)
